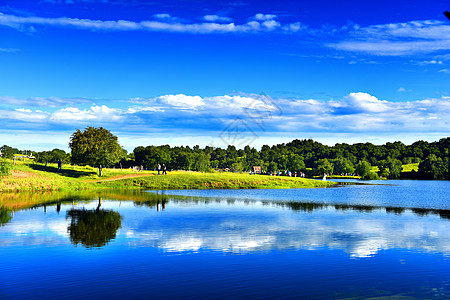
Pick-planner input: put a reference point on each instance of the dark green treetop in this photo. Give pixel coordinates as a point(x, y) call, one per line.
point(95, 147)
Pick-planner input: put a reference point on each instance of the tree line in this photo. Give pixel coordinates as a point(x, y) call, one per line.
point(307, 156)
point(98, 147)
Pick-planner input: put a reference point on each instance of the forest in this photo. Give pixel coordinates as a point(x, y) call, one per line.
point(302, 156)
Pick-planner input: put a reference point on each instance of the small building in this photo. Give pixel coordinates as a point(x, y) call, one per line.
point(257, 169)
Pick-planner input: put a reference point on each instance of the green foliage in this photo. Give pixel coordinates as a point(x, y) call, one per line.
point(384, 172)
point(52, 156)
point(298, 155)
point(272, 167)
point(201, 162)
point(8, 152)
point(237, 167)
point(391, 167)
point(295, 162)
point(364, 169)
point(93, 228)
point(324, 166)
point(95, 147)
point(5, 168)
point(151, 156)
point(434, 168)
point(342, 165)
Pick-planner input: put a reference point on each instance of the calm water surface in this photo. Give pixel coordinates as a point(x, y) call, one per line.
point(353, 242)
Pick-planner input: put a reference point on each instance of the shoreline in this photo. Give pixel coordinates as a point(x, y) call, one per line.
point(38, 178)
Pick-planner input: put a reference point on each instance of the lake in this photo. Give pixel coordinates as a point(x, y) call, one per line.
point(388, 240)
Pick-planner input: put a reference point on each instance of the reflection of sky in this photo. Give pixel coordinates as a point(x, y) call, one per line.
point(242, 227)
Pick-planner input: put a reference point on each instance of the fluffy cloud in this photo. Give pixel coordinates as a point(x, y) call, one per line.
point(398, 38)
point(178, 115)
point(24, 114)
point(364, 102)
point(182, 101)
point(99, 113)
point(264, 17)
point(216, 18)
point(167, 23)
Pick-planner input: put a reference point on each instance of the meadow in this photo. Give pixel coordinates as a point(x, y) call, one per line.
point(29, 176)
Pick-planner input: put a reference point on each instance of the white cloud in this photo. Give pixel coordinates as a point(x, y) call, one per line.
point(216, 18)
point(398, 38)
point(23, 114)
point(162, 16)
point(165, 23)
point(165, 17)
point(271, 24)
point(401, 89)
point(278, 120)
point(264, 17)
point(182, 101)
point(72, 114)
point(42, 102)
point(98, 113)
point(447, 71)
point(294, 27)
point(23, 110)
point(365, 102)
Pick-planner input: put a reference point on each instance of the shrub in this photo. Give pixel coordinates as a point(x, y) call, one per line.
point(5, 168)
point(370, 176)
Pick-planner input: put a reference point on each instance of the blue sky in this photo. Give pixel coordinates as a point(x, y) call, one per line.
point(234, 72)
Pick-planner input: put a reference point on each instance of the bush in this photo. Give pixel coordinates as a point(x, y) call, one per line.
point(370, 176)
point(5, 168)
point(364, 170)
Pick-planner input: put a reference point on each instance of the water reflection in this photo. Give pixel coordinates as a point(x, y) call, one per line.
point(186, 223)
point(247, 226)
point(312, 206)
point(15, 201)
point(5, 215)
point(93, 228)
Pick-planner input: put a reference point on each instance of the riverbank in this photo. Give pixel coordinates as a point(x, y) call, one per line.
point(36, 177)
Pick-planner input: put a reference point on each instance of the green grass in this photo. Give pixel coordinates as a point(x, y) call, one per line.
point(28, 176)
point(194, 180)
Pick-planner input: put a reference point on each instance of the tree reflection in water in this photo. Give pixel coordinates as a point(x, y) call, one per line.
point(5, 215)
point(93, 228)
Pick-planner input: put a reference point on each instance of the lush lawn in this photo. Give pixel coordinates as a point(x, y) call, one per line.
point(194, 180)
point(27, 176)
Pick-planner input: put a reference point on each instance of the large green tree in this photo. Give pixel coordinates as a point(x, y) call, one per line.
point(8, 152)
point(95, 147)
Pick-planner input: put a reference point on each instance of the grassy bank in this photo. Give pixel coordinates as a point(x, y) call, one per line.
point(194, 180)
point(27, 176)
